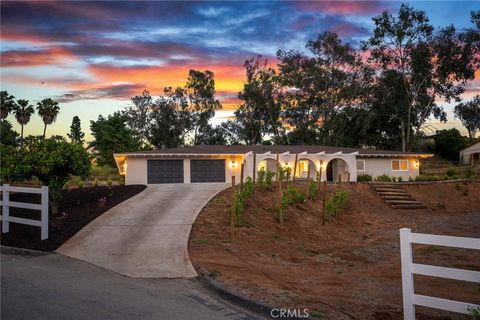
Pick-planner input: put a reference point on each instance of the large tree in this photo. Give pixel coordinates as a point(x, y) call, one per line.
point(23, 111)
point(316, 85)
point(76, 135)
point(200, 88)
point(432, 64)
point(469, 114)
point(48, 110)
point(8, 136)
point(258, 115)
point(7, 104)
point(112, 135)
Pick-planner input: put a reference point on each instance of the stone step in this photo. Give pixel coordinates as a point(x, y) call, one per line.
point(408, 206)
point(392, 193)
point(387, 185)
point(402, 201)
point(399, 197)
point(389, 189)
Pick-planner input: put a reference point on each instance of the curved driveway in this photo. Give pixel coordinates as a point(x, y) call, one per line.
point(145, 236)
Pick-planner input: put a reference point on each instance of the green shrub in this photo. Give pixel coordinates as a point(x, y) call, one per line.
point(95, 182)
point(248, 187)
point(474, 313)
point(269, 178)
point(383, 178)
point(109, 181)
point(261, 179)
point(394, 179)
point(468, 173)
point(312, 190)
point(364, 177)
point(293, 195)
point(81, 184)
point(238, 207)
point(400, 179)
point(410, 179)
point(451, 172)
point(334, 204)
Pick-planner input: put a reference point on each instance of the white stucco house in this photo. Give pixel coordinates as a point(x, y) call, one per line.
point(470, 155)
point(220, 163)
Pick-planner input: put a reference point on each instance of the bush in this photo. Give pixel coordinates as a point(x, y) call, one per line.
point(364, 177)
point(248, 187)
point(394, 179)
point(383, 178)
point(261, 178)
point(334, 204)
point(294, 196)
point(410, 179)
point(312, 190)
point(451, 172)
point(269, 178)
point(400, 179)
point(95, 182)
point(468, 173)
point(238, 207)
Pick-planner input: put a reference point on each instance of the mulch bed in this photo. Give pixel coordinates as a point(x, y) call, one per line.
point(77, 209)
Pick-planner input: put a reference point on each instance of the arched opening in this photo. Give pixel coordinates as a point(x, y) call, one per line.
point(337, 169)
point(306, 169)
point(267, 165)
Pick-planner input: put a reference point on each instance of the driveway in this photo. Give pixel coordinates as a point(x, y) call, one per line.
point(38, 286)
point(145, 236)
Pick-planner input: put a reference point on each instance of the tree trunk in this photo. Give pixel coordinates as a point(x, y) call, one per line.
point(44, 130)
point(407, 128)
point(21, 137)
point(402, 129)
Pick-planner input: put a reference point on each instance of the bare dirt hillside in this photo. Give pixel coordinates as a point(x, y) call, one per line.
point(348, 268)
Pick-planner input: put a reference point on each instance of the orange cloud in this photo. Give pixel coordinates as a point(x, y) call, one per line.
point(23, 58)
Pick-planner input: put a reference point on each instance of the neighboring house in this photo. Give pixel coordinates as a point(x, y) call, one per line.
point(470, 155)
point(220, 163)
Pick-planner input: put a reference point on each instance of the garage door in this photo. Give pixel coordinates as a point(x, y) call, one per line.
point(165, 171)
point(207, 170)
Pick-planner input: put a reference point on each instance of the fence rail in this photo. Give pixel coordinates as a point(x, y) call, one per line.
point(42, 207)
point(410, 299)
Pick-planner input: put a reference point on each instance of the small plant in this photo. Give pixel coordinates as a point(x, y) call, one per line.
point(248, 187)
point(383, 178)
point(201, 242)
point(81, 184)
point(468, 173)
point(474, 313)
point(451, 172)
point(410, 179)
point(109, 181)
point(95, 182)
point(312, 190)
point(238, 207)
point(394, 179)
point(364, 177)
point(261, 175)
point(400, 179)
point(269, 178)
point(334, 204)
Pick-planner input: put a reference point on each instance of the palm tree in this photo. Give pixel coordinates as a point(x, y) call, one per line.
point(6, 104)
point(48, 109)
point(23, 111)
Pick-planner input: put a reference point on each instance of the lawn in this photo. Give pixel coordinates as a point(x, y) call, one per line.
point(78, 207)
point(348, 268)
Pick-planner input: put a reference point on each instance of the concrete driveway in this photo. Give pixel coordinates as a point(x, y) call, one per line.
point(145, 236)
point(39, 286)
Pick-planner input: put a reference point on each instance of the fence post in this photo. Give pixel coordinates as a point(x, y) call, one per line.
point(407, 276)
point(254, 168)
point(324, 200)
point(232, 210)
point(241, 175)
point(295, 168)
point(44, 230)
point(5, 208)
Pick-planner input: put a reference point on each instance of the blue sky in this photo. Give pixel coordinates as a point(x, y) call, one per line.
point(94, 56)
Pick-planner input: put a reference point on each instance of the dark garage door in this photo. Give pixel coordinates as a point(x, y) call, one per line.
point(165, 171)
point(207, 170)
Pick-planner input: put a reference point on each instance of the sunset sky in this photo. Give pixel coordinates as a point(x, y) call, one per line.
point(93, 56)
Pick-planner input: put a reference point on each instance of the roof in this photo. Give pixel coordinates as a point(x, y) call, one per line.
point(243, 149)
point(475, 146)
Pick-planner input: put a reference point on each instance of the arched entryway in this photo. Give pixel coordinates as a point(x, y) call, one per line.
point(306, 169)
point(268, 164)
point(337, 169)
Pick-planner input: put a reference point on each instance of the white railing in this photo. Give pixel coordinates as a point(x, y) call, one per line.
point(410, 299)
point(7, 204)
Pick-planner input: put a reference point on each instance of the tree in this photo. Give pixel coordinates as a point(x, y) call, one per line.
point(51, 160)
point(432, 64)
point(48, 110)
point(259, 113)
point(7, 135)
point(317, 85)
point(111, 136)
point(138, 115)
point(200, 88)
point(448, 144)
point(164, 129)
point(7, 104)
point(469, 115)
point(23, 111)
point(76, 135)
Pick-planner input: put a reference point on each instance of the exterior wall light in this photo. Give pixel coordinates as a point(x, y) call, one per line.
point(233, 164)
point(124, 168)
point(416, 163)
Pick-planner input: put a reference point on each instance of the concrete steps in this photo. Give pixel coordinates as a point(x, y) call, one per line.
point(395, 196)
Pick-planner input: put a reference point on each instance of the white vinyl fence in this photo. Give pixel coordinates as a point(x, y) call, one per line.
point(410, 299)
point(7, 204)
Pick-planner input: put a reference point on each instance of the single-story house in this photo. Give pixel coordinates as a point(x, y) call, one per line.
point(470, 155)
point(220, 163)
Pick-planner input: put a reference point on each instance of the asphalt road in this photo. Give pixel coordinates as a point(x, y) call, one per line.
point(38, 285)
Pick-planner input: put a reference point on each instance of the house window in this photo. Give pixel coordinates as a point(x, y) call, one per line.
point(399, 165)
point(360, 165)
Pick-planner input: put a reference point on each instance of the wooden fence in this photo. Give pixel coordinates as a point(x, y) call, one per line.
point(42, 207)
point(410, 299)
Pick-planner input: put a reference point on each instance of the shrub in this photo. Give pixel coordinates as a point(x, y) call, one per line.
point(451, 172)
point(383, 178)
point(248, 187)
point(238, 206)
point(333, 205)
point(468, 173)
point(109, 181)
point(95, 182)
point(269, 178)
point(294, 196)
point(261, 179)
point(400, 179)
point(394, 179)
point(312, 190)
point(81, 184)
point(364, 177)
point(411, 179)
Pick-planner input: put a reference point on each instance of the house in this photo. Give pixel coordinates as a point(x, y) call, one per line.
point(220, 163)
point(470, 155)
